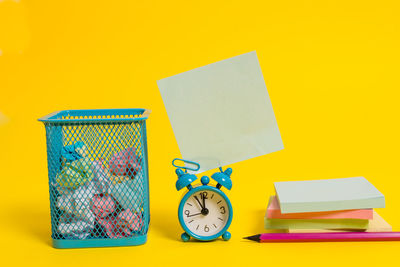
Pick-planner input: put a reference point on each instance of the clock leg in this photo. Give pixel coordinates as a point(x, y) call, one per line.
point(185, 237)
point(226, 236)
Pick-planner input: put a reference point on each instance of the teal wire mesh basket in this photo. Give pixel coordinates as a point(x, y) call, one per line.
point(98, 177)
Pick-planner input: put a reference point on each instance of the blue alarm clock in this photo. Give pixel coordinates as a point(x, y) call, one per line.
point(205, 212)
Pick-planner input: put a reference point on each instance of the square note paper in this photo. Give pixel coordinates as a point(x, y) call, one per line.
point(327, 195)
point(221, 113)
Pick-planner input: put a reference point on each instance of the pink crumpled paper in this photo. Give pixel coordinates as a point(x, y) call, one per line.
point(125, 163)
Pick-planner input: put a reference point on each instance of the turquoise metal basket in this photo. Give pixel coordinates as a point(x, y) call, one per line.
point(98, 177)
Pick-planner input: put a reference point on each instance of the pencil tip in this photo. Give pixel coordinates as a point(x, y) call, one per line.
point(253, 237)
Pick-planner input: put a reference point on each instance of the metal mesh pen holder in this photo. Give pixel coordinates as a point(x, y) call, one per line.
point(98, 177)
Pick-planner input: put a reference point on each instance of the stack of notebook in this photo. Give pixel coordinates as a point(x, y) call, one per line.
point(326, 205)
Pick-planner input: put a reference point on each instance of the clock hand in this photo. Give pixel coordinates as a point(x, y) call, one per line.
point(204, 201)
point(198, 201)
point(194, 214)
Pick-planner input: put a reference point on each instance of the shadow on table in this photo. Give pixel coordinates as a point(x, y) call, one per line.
point(166, 224)
point(29, 220)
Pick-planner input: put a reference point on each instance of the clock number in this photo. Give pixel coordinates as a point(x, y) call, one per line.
point(222, 210)
point(203, 195)
point(206, 229)
point(187, 213)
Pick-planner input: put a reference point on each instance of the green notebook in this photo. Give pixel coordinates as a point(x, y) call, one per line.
point(327, 195)
point(315, 224)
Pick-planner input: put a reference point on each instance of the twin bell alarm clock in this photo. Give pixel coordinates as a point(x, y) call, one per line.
point(205, 212)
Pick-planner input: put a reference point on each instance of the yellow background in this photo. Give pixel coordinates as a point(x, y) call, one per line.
point(331, 69)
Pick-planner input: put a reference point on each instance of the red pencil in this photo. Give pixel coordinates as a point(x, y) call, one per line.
point(325, 237)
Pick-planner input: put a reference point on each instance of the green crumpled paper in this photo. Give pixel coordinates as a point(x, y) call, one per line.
point(75, 173)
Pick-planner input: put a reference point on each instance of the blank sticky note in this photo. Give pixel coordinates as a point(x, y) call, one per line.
point(274, 212)
point(221, 113)
point(377, 224)
point(315, 224)
point(327, 195)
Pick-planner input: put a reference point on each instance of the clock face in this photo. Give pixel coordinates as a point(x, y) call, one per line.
point(205, 213)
